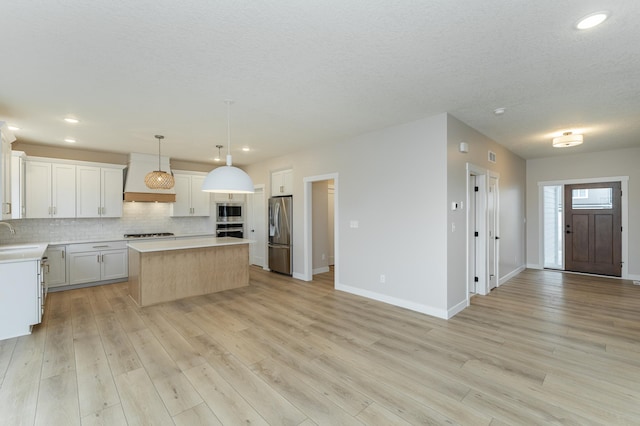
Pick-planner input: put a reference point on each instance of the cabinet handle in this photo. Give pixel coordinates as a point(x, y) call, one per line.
point(62, 254)
point(98, 258)
point(281, 188)
point(102, 258)
point(102, 246)
point(49, 210)
point(55, 210)
point(8, 208)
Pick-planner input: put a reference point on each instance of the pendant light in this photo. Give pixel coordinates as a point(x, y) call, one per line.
point(159, 179)
point(228, 179)
point(218, 157)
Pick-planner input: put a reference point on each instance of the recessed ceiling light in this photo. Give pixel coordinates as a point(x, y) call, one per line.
point(13, 128)
point(499, 111)
point(246, 149)
point(70, 140)
point(71, 120)
point(592, 20)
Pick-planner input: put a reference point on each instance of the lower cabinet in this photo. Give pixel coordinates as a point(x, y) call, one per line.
point(22, 301)
point(55, 271)
point(97, 262)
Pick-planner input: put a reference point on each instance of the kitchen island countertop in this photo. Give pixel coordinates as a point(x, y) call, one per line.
point(182, 244)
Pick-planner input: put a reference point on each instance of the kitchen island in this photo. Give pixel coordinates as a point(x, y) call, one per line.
point(166, 270)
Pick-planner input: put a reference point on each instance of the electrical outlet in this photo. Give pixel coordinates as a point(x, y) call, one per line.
point(383, 278)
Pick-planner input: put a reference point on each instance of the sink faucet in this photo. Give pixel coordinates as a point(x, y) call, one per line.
point(8, 225)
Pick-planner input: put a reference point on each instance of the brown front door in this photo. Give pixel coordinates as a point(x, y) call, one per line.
point(593, 230)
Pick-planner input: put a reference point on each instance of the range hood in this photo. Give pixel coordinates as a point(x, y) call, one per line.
point(134, 186)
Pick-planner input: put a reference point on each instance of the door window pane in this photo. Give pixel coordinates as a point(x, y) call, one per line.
point(592, 198)
point(553, 217)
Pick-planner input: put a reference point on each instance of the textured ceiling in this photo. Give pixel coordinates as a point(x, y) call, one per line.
point(305, 73)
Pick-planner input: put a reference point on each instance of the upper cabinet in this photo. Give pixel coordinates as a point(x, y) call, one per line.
point(99, 191)
point(190, 199)
point(6, 137)
point(18, 159)
point(50, 190)
point(229, 198)
point(282, 183)
point(67, 189)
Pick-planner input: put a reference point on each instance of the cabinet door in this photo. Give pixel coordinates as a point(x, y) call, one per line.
point(200, 200)
point(111, 192)
point(63, 190)
point(84, 267)
point(55, 273)
point(182, 206)
point(114, 264)
point(88, 191)
point(287, 182)
point(5, 178)
point(38, 189)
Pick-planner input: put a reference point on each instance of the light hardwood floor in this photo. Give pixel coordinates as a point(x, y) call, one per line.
point(545, 348)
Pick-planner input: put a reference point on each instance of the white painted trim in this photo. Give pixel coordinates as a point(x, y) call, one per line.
point(511, 274)
point(321, 270)
point(457, 308)
point(624, 206)
point(634, 277)
point(299, 276)
point(417, 307)
point(534, 266)
point(307, 274)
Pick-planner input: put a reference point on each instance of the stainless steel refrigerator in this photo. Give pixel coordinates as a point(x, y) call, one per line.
point(280, 225)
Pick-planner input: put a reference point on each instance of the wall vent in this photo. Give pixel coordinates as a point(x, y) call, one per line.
point(492, 157)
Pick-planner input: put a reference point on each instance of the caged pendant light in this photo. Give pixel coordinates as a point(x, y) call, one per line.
point(228, 179)
point(159, 179)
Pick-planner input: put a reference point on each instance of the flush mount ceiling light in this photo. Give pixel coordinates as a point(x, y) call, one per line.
point(72, 120)
point(70, 140)
point(592, 20)
point(566, 140)
point(228, 179)
point(159, 179)
point(14, 128)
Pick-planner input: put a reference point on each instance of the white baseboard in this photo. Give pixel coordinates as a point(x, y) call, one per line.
point(424, 309)
point(299, 276)
point(511, 274)
point(321, 270)
point(534, 266)
point(457, 308)
point(633, 277)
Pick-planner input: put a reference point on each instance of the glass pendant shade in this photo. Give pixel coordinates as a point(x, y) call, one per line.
point(159, 180)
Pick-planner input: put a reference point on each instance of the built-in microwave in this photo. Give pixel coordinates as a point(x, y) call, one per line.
point(229, 212)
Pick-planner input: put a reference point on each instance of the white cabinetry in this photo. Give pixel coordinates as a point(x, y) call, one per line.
point(229, 198)
point(22, 301)
point(190, 199)
point(282, 183)
point(99, 191)
point(55, 271)
point(18, 159)
point(93, 262)
point(6, 137)
point(50, 189)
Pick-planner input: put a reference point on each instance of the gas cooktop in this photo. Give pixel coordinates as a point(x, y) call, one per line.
point(149, 235)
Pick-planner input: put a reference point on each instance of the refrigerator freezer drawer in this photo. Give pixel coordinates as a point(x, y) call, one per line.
point(280, 259)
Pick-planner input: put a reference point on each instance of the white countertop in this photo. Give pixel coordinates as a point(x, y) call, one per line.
point(21, 252)
point(190, 243)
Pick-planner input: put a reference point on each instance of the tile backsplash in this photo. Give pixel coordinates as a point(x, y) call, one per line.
point(136, 218)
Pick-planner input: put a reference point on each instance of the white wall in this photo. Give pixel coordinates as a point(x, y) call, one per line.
point(511, 169)
point(624, 162)
point(393, 182)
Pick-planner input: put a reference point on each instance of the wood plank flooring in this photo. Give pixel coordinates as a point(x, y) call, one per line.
point(545, 348)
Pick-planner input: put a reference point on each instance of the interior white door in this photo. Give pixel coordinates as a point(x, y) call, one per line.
point(473, 239)
point(492, 221)
point(257, 226)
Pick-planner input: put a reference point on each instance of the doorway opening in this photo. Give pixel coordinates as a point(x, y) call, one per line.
point(256, 226)
point(584, 225)
point(320, 228)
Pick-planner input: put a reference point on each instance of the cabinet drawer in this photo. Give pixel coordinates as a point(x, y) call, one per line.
point(105, 245)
